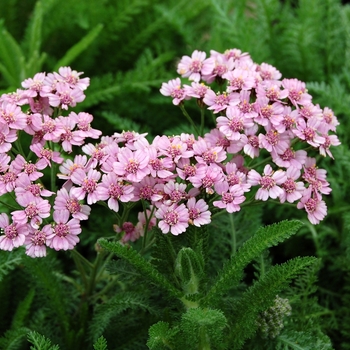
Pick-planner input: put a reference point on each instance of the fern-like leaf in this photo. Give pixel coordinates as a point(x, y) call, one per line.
point(101, 343)
point(79, 47)
point(9, 260)
point(113, 307)
point(40, 342)
point(261, 295)
point(293, 340)
point(13, 339)
point(142, 265)
point(22, 310)
point(266, 237)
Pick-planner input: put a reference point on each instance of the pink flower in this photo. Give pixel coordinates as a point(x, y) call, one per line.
point(270, 115)
point(234, 123)
point(132, 165)
point(35, 84)
point(316, 208)
point(216, 138)
point(204, 153)
point(175, 192)
point(307, 131)
point(173, 218)
point(207, 177)
point(64, 233)
point(196, 90)
point(68, 136)
point(231, 197)
point(24, 186)
point(130, 232)
point(245, 106)
point(7, 181)
point(65, 96)
point(36, 241)
point(330, 140)
point(292, 190)
point(52, 129)
point(273, 141)
point(268, 182)
point(69, 166)
point(190, 67)
point(4, 160)
point(66, 201)
point(114, 190)
point(20, 165)
point(268, 72)
point(329, 119)
point(173, 147)
point(40, 105)
point(35, 210)
point(159, 167)
point(13, 235)
point(20, 97)
point(72, 78)
point(87, 183)
point(271, 89)
point(296, 91)
point(236, 177)
point(148, 189)
point(290, 158)
point(13, 116)
point(219, 102)
point(84, 121)
point(173, 88)
point(198, 212)
point(310, 110)
point(7, 137)
point(34, 122)
point(239, 79)
point(252, 148)
point(46, 155)
point(216, 66)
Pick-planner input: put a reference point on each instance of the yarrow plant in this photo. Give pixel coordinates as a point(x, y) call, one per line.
point(182, 179)
point(265, 138)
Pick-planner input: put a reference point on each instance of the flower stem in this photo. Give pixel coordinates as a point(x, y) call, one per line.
point(189, 119)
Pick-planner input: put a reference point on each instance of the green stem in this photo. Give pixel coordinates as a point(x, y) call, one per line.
point(77, 257)
point(233, 236)
point(94, 274)
point(189, 119)
point(204, 342)
point(314, 237)
point(202, 122)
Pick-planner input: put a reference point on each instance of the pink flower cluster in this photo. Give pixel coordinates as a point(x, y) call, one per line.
point(181, 178)
point(43, 218)
point(260, 115)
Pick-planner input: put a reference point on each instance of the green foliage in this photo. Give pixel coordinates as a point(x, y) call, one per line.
point(100, 344)
point(40, 342)
point(114, 307)
point(142, 265)
point(302, 341)
point(13, 339)
point(261, 295)
point(160, 336)
point(265, 237)
point(8, 261)
point(128, 48)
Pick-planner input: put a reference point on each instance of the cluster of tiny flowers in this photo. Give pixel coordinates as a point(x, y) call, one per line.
point(183, 178)
point(42, 218)
point(259, 115)
point(270, 322)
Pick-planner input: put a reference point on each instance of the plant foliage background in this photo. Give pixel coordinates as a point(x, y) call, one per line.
point(128, 48)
